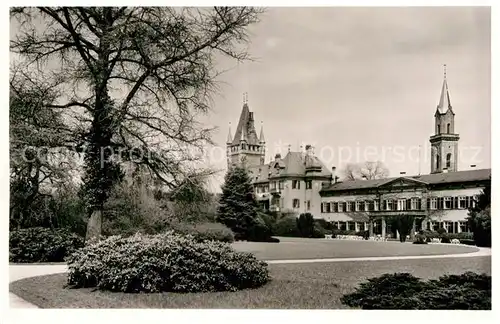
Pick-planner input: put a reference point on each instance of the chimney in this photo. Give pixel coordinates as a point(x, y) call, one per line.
point(334, 177)
point(277, 157)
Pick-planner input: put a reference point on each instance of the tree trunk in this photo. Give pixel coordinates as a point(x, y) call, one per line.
point(94, 225)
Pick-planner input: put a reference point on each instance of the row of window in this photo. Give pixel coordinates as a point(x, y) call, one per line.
point(296, 184)
point(244, 146)
point(462, 202)
point(273, 185)
point(450, 227)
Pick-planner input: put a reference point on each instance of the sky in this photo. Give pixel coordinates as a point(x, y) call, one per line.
point(362, 84)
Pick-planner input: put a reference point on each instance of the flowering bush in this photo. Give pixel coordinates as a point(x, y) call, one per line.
point(39, 244)
point(164, 262)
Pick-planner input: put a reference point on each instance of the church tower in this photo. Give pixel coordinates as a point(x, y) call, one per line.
point(246, 148)
point(444, 142)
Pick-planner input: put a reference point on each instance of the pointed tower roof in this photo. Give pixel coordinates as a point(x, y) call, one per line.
point(229, 136)
point(243, 136)
point(245, 129)
point(261, 136)
point(444, 99)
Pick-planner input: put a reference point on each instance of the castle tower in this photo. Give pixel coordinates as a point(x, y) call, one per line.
point(246, 148)
point(444, 142)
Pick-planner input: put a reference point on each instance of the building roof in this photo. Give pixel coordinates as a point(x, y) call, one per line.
point(293, 164)
point(434, 178)
point(259, 173)
point(246, 128)
point(455, 177)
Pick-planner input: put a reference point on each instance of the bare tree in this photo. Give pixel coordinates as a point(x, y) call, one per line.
point(351, 172)
point(133, 81)
point(373, 170)
point(367, 171)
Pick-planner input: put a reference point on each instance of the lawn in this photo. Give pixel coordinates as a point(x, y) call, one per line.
point(299, 286)
point(300, 248)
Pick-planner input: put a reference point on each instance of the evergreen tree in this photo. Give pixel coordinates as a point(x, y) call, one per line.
point(305, 225)
point(238, 207)
point(403, 224)
point(480, 218)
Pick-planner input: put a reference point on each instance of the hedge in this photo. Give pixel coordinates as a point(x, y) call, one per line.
point(39, 244)
point(404, 291)
point(204, 231)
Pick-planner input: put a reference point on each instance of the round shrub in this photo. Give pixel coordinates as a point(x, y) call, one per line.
point(287, 226)
point(39, 244)
point(445, 238)
point(364, 234)
point(259, 231)
point(318, 231)
point(420, 239)
point(468, 242)
point(269, 220)
point(430, 234)
point(205, 231)
point(462, 236)
point(441, 231)
point(328, 226)
point(164, 262)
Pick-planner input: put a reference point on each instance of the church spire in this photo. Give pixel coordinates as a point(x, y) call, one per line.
point(229, 136)
point(262, 140)
point(444, 99)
